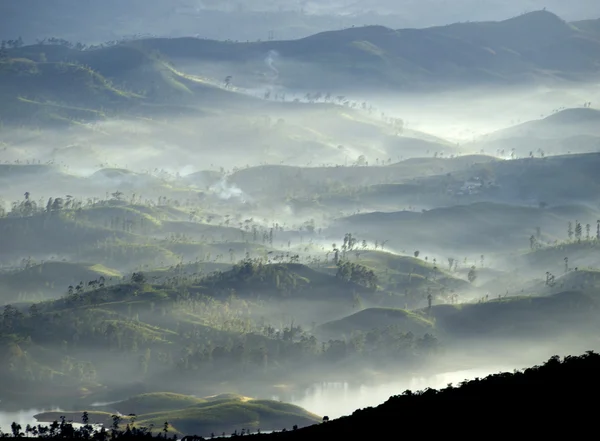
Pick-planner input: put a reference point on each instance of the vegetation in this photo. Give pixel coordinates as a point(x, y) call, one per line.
point(195, 233)
point(540, 386)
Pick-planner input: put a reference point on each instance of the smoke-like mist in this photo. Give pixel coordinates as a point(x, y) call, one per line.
point(325, 221)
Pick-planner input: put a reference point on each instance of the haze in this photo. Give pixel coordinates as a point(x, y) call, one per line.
point(197, 223)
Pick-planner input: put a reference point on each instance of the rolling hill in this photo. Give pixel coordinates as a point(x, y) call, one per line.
point(377, 318)
point(563, 124)
point(186, 414)
point(495, 227)
point(48, 280)
point(533, 46)
point(566, 312)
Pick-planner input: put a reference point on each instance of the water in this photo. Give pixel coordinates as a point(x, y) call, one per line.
point(339, 399)
point(22, 417)
point(331, 399)
point(25, 417)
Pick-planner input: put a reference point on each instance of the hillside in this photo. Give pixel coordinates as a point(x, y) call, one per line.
point(280, 180)
point(563, 124)
point(522, 181)
point(545, 388)
point(532, 46)
point(43, 281)
point(487, 319)
point(496, 227)
point(590, 26)
point(535, 46)
point(378, 318)
point(186, 414)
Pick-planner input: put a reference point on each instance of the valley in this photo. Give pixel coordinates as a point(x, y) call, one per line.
point(231, 236)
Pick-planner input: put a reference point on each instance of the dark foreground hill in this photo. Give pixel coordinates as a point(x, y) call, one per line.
point(499, 404)
point(557, 399)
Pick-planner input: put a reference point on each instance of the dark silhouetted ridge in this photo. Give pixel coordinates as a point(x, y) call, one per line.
point(554, 398)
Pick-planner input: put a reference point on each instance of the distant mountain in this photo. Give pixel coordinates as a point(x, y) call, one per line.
point(560, 125)
point(591, 26)
point(537, 46)
point(534, 46)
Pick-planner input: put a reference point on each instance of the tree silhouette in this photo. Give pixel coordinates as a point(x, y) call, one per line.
point(472, 275)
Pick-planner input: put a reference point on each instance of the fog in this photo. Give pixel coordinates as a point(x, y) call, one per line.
point(323, 222)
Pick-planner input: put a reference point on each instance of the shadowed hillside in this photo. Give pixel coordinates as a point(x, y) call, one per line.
point(545, 388)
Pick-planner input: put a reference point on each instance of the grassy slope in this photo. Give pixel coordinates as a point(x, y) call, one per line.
point(155, 402)
point(568, 122)
point(186, 414)
point(53, 277)
point(506, 317)
point(379, 318)
point(275, 180)
point(232, 414)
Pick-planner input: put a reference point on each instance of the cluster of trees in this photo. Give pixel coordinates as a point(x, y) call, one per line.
point(359, 274)
point(575, 231)
point(64, 430)
point(235, 341)
point(293, 348)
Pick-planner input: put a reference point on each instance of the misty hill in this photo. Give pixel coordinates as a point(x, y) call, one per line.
point(58, 82)
point(186, 414)
point(534, 46)
point(502, 318)
point(462, 228)
point(563, 124)
point(59, 90)
point(281, 181)
point(546, 388)
point(43, 281)
point(378, 318)
point(551, 257)
point(525, 48)
point(527, 181)
point(591, 26)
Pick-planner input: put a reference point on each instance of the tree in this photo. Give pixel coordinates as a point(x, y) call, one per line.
point(138, 278)
point(416, 254)
point(227, 81)
point(116, 420)
point(578, 231)
point(57, 205)
point(588, 228)
point(472, 276)
point(450, 263)
point(532, 242)
point(570, 231)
